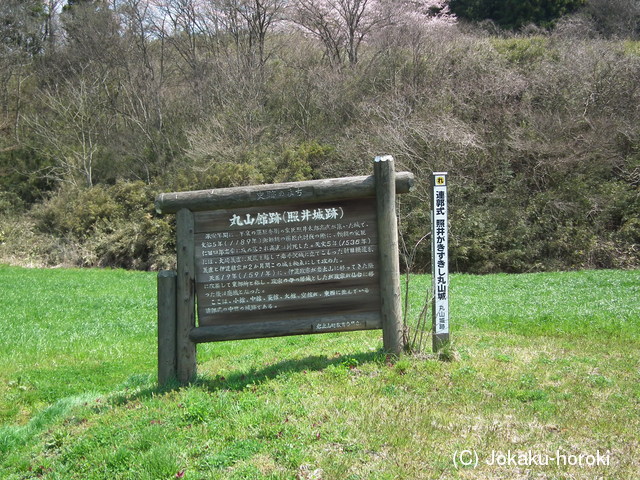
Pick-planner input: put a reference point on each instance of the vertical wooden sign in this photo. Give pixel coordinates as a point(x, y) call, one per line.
point(440, 261)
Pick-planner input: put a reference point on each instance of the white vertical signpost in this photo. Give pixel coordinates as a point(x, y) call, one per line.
point(440, 261)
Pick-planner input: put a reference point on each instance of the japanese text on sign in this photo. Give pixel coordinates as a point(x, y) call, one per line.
point(440, 255)
point(295, 216)
point(286, 262)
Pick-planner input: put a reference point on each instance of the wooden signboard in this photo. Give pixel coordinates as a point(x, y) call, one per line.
point(302, 269)
point(286, 259)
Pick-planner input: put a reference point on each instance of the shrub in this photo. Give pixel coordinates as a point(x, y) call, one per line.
point(297, 163)
point(9, 202)
point(522, 51)
point(114, 226)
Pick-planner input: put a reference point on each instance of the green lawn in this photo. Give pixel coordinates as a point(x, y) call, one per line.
point(544, 363)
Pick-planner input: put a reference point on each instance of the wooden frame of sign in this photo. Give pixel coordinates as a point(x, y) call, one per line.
point(282, 259)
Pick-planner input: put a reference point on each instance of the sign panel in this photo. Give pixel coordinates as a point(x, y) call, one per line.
point(440, 259)
point(275, 263)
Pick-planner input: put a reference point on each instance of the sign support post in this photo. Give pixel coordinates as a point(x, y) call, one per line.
point(440, 261)
point(185, 297)
point(167, 369)
point(391, 309)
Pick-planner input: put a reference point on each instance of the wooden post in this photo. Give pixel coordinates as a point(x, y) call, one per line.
point(185, 295)
point(391, 309)
point(166, 326)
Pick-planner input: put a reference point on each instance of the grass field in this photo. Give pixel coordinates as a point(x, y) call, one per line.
point(546, 366)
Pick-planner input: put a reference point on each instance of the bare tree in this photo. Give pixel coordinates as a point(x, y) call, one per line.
point(341, 25)
point(71, 127)
point(321, 20)
point(259, 17)
point(52, 10)
point(180, 24)
point(21, 40)
point(247, 22)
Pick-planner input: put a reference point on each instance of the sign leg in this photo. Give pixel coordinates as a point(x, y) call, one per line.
point(185, 293)
point(391, 308)
point(166, 326)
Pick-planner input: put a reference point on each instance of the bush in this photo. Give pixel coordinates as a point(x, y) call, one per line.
point(21, 179)
point(76, 212)
point(10, 202)
point(109, 226)
point(522, 51)
point(297, 163)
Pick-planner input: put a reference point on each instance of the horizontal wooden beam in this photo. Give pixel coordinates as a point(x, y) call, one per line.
point(327, 324)
point(332, 189)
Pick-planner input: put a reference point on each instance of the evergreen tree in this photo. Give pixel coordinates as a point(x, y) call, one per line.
point(72, 3)
point(513, 14)
point(22, 25)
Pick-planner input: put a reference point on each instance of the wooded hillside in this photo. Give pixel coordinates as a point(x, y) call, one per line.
point(105, 104)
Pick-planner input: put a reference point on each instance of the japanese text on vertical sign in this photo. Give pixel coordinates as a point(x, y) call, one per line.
point(440, 255)
point(441, 244)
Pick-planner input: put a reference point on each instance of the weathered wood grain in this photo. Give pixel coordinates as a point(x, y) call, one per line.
point(166, 326)
point(391, 309)
point(325, 324)
point(277, 194)
point(185, 294)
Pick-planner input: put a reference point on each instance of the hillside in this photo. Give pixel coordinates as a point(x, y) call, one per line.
point(540, 133)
